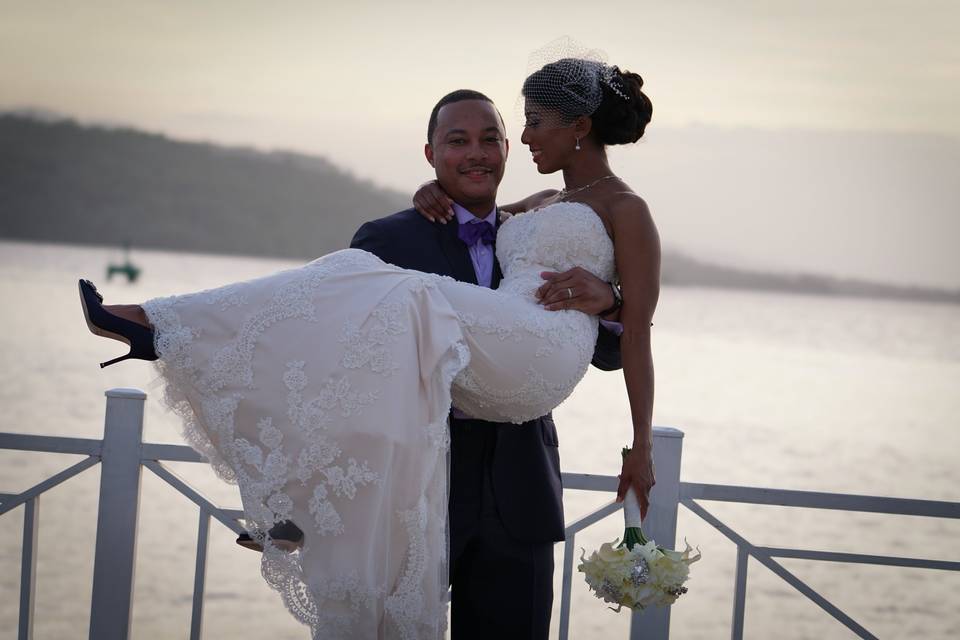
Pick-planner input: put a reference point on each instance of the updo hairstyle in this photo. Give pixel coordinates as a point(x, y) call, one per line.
point(619, 121)
point(613, 99)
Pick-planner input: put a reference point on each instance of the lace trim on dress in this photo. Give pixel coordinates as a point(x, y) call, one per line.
point(172, 343)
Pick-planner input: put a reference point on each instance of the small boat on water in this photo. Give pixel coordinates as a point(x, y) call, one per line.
point(127, 268)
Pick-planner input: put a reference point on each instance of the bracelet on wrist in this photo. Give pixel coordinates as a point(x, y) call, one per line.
point(617, 300)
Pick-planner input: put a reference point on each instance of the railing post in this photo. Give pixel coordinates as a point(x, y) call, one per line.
point(568, 548)
point(200, 575)
point(739, 593)
point(28, 568)
point(661, 523)
point(117, 515)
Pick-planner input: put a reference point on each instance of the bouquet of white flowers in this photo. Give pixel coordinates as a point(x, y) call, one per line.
point(636, 573)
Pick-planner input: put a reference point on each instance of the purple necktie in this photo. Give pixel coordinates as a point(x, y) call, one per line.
point(474, 232)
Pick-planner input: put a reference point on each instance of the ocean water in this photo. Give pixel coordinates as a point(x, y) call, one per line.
point(793, 392)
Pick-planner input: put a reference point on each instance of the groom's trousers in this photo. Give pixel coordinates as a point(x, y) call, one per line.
point(501, 587)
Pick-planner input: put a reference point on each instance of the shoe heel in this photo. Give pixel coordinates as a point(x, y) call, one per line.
point(116, 360)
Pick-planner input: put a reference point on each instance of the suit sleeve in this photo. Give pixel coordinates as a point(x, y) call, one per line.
point(370, 237)
point(606, 355)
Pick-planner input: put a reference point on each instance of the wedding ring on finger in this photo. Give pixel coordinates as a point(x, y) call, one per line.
point(569, 293)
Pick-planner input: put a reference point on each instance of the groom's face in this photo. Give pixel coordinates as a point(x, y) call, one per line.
point(468, 151)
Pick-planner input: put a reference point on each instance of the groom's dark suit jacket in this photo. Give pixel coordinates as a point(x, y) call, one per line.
point(525, 470)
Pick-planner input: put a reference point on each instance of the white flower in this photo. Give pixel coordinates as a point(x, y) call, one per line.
point(639, 577)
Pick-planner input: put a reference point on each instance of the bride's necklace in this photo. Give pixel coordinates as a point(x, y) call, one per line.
point(566, 193)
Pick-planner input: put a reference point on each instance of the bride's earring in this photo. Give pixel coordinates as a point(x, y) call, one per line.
point(577, 148)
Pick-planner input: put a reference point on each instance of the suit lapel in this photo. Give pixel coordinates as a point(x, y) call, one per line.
point(461, 267)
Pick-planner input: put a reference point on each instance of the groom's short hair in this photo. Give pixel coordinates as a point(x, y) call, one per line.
point(455, 96)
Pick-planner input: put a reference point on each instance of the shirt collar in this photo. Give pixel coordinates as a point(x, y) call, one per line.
point(464, 216)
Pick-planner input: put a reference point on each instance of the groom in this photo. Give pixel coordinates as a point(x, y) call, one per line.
point(506, 508)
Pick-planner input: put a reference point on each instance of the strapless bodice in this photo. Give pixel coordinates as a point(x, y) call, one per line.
point(556, 237)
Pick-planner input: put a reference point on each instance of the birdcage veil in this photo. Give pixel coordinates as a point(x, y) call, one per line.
point(568, 78)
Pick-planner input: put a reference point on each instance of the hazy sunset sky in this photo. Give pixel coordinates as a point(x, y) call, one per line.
point(863, 64)
point(355, 81)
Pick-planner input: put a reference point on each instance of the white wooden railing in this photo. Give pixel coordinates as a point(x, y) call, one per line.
point(123, 454)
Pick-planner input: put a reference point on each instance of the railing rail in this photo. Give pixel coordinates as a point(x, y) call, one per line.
point(123, 454)
point(819, 500)
point(691, 492)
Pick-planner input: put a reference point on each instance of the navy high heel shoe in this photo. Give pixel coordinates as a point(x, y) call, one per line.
point(103, 323)
point(284, 534)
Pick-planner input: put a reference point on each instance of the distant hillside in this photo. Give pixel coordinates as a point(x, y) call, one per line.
point(680, 270)
point(63, 182)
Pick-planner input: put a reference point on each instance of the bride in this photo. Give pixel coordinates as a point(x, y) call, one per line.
point(323, 391)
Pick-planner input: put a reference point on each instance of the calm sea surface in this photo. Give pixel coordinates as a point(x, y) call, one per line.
point(794, 392)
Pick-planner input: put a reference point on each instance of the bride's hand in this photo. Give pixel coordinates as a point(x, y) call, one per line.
point(433, 203)
point(637, 472)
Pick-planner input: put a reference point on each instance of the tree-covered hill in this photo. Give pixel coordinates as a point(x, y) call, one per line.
point(62, 182)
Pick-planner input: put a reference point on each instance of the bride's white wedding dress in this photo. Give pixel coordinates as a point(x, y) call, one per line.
point(324, 391)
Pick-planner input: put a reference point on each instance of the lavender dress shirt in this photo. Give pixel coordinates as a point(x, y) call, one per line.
point(480, 254)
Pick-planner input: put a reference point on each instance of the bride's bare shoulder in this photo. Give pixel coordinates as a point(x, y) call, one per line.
point(628, 204)
point(632, 221)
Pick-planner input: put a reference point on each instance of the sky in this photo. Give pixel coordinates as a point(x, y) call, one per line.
point(355, 83)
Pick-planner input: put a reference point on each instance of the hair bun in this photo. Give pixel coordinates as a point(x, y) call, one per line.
point(618, 120)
